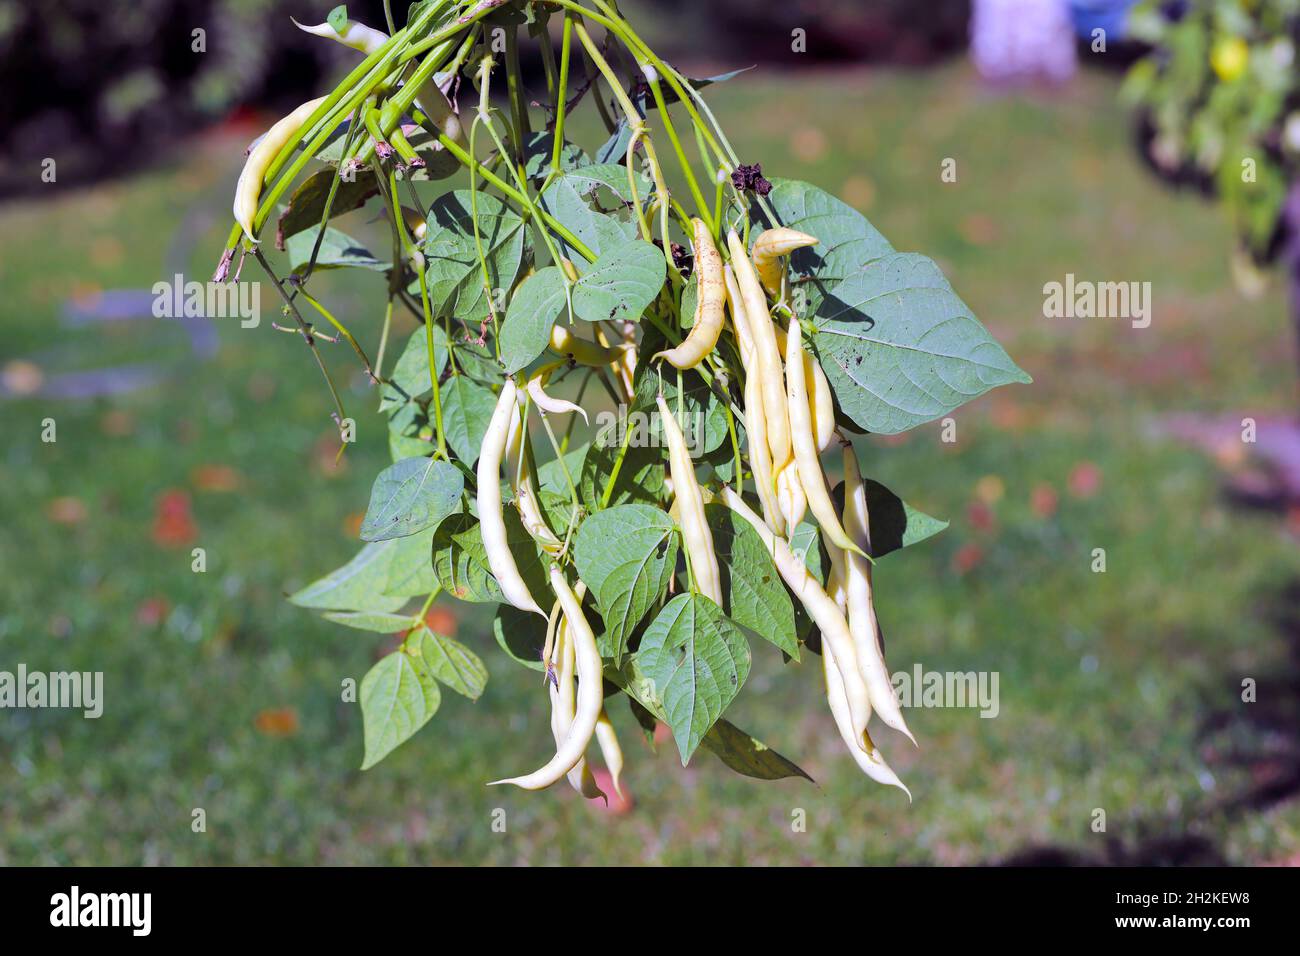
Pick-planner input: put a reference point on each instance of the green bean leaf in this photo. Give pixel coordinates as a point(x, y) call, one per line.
point(455, 275)
point(410, 376)
point(740, 751)
point(590, 202)
point(467, 409)
point(697, 660)
point(755, 597)
point(357, 586)
point(307, 204)
point(898, 346)
point(627, 556)
point(451, 662)
point(893, 523)
point(620, 283)
point(534, 307)
point(338, 250)
point(398, 697)
point(414, 494)
point(380, 623)
point(410, 572)
point(521, 634)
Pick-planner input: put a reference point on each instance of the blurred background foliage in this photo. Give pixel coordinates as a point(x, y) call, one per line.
point(116, 83)
point(1119, 691)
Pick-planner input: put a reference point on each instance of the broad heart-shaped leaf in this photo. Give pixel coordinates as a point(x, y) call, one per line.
point(748, 755)
point(410, 572)
point(357, 586)
point(414, 494)
point(466, 411)
point(410, 435)
point(456, 571)
point(338, 250)
point(410, 376)
point(737, 749)
point(620, 283)
point(521, 635)
point(892, 522)
point(455, 277)
point(756, 598)
point(451, 662)
point(550, 476)
point(380, 623)
point(846, 240)
point(900, 349)
point(398, 696)
point(307, 204)
point(576, 199)
point(627, 556)
point(697, 659)
point(535, 306)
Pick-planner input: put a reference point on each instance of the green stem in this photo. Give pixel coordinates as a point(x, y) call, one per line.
point(618, 466)
point(428, 603)
point(305, 331)
point(566, 43)
point(514, 86)
point(555, 225)
point(342, 330)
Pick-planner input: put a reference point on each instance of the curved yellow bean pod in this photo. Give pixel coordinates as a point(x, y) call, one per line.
point(711, 295)
point(492, 524)
point(690, 501)
point(760, 461)
point(739, 322)
point(590, 693)
point(768, 358)
point(821, 402)
point(415, 223)
point(526, 499)
point(851, 684)
point(760, 455)
point(769, 248)
point(610, 749)
point(790, 497)
point(356, 35)
point(820, 606)
point(861, 746)
point(556, 406)
point(803, 437)
point(249, 188)
point(563, 709)
point(863, 624)
point(583, 351)
point(622, 368)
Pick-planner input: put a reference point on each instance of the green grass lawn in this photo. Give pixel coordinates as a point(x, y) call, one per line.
point(1119, 691)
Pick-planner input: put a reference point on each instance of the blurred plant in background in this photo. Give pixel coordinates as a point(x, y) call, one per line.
point(104, 85)
point(1219, 97)
point(883, 31)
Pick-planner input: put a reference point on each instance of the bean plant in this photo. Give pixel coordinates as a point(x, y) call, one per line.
point(1220, 91)
point(744, 329)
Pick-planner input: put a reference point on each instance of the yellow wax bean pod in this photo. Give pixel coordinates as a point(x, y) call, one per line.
point(770, 249)
point(712, 295)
